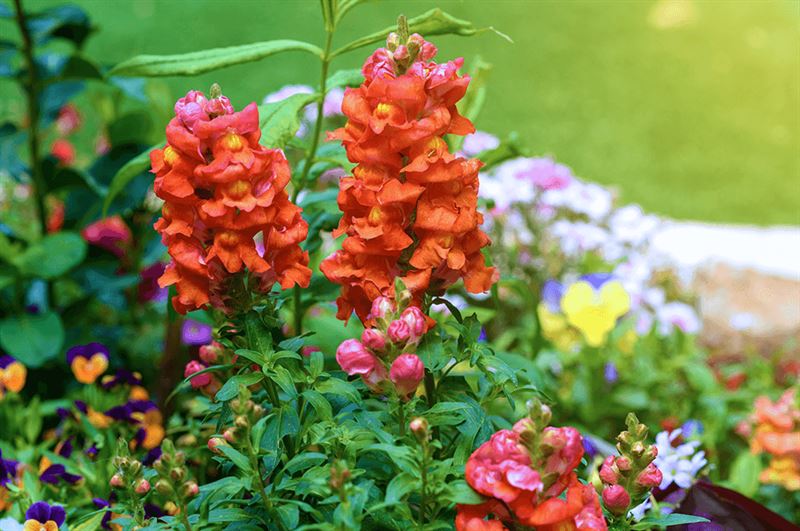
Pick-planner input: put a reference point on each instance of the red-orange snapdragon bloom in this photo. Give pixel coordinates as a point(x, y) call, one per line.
point(528, 476)
point(225, 206)
point(409, 209)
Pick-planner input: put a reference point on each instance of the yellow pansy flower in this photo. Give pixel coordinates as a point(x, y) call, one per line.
point(595, 312)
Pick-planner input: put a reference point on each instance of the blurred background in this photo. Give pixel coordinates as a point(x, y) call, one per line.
point(688, 107)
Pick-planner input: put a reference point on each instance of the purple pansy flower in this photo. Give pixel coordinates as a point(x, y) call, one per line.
point(122, 377)
point(8, 470)
point(597, 279)
point(43, 512)
point(610, 372)
point(196, 333)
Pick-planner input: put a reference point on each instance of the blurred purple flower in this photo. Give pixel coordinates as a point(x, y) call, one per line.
point(333, 102)
point(195, 333)
point(478, 142)
point(597, 279)
point(691, 428)
point(552, 291)
point(547, 174)
point(610, 372)
point(149, 290)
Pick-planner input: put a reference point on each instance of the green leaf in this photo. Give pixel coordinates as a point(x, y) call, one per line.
point(744, 473)
point(430, 23)
point(460, 492)
point(667, 520)
point(400, 486)
point(289, 515)
point(53, 255)
point(32, 339)
point(335, 386)
point(446, 414)
point(231, 387)
point(304, 461)
point(92, 523)
point(235, 456)
point(193, 63)
point(279, 121)
point(320, 405)
point(345, 78)
point(126, 174)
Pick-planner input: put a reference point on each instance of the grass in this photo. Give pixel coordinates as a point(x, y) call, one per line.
point(689, 107)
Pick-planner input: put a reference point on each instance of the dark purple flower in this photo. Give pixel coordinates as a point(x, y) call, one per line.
point(152, 510)
point(81, 406)
point(482, 338)
point(122, 377)
point(196, 333)
point(610, 372)
point(100, 503)
point(92, 451)
point(8, 470)
point(5, 361)
point(149, 290)
point(152, 456)
point(63, 413)
point(54, 473)
point(86, 351)
point(43, 512)
point(552, 292)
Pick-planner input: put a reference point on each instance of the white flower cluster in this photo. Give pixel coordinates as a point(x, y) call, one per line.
point(538, 206)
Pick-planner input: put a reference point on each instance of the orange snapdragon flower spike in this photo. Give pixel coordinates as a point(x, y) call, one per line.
point(226, 209)
point(409, 209)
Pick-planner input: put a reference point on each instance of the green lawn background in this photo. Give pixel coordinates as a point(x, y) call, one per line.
point(698, 119)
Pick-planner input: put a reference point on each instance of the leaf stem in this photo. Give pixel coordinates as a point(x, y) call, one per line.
point(312, 153)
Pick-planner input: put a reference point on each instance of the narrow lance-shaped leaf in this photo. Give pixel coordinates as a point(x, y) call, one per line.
point(433, 22)
point(126, 174)
point(193, 63)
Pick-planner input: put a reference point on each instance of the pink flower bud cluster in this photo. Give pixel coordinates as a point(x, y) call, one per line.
point(630, 476)
point(209, 355)
point(386, 353)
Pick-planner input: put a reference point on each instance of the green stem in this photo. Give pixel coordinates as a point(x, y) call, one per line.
point(424, 481)
point(32, 89)
point(309, 160)
point(185, 518)
point(262, 491)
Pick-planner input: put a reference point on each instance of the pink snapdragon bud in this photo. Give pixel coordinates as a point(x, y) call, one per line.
point(650, 477)
point(400, 53)
point(399, 331)
point(416, 322)
point(373, 339)
point(566, 449)
point(142, 487)
point(211, 353)
point(419, 427)
point(191, 108)
point(191, 489)
point(214, 443)
point(623, 463)
point(200, 380)
point(69, 119)
point(354, 358)
point(111, 234)
point(616, 499)
point(382, 308)
point(375, 378)
point(116, 481)
point(309, 350)
point(406, 373)
point(607, 471)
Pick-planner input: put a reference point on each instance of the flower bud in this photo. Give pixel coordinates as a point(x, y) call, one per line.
point(187, 440)
point(241, 421)
point(392, 41)
point(211, 353)
point(142, 486)
point(354, 358)
point(190, 489)
point(650, 477)
point(651, 452)
point(199, 381)
point(373, 339)
point(419, 427)
point(399, 332)
point(401, 53)
point(382, 308)
point(214, 443)
point(637, 450)
point(416, 321)
point(163, 487)
point(616, 499)
point(134, 468)
point(229, 435)
point(177, 473)
point(406, 373)
point(171, 509)
point(607, 471)
point(623, 463)
point(116, 481)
